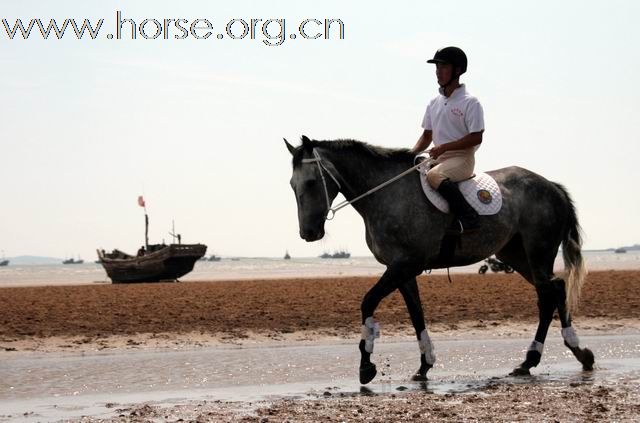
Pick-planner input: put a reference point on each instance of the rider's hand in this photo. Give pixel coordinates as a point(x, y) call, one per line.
point(437, 151)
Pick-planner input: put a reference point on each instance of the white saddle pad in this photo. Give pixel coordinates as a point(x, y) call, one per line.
point(481, 192)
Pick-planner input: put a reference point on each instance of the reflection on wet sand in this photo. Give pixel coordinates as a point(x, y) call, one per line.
point(56, 386)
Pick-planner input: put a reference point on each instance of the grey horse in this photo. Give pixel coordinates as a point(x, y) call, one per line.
point(405, 232)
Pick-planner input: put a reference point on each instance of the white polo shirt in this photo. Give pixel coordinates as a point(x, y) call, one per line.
point(451, 118)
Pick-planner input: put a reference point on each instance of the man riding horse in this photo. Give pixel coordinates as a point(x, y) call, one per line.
point(407, 232)
point(454, 122)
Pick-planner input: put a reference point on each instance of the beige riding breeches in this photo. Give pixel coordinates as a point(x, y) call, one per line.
point(454, 165)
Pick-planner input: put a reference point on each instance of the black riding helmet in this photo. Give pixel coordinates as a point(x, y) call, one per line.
point(453, 56)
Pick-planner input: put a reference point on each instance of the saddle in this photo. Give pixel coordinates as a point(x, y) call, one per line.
point(481, 191)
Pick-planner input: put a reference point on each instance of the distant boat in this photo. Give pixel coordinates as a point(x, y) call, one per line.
point(287, 256)
point(620, 250)
point(73, 261)
point(154, 262)
point(213, 257)
point(3, 260)
point(337, 255)
point(341, 254)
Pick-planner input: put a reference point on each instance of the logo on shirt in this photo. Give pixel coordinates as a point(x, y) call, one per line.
point(457, 112)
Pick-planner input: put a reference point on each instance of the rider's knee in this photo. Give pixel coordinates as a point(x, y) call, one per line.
point(434, 178)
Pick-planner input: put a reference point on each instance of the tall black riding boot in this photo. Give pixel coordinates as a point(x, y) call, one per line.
point(466, 215)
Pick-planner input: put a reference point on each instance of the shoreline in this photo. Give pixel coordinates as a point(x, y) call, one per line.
point(271, 268)
point(171, 341)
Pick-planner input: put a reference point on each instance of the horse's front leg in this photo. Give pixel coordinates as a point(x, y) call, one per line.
point(411, 296)
point(390, 280)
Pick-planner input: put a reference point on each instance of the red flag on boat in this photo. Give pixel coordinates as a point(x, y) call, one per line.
point(141, 201)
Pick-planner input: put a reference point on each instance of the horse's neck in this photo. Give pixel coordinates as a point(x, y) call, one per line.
point(360, 174)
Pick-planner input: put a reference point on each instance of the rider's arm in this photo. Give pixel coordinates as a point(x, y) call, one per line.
point(423, 142)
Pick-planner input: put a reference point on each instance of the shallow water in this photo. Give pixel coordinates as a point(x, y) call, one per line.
point(56, 386)
point(261, 268)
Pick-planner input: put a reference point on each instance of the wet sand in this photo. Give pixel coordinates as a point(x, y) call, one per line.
point(151, 385)
point(193, 315)
point(498, 402)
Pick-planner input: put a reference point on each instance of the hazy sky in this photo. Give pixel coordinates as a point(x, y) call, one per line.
point(197, 125)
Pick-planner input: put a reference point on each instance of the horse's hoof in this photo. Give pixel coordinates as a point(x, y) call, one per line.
point(419, 378)
point(367, 373)
point(587, 359)
point(520, 371)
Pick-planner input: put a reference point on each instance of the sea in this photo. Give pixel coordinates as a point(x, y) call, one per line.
point(243, 268)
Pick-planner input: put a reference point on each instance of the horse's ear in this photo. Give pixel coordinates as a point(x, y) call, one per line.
point(305, 140)
point(289, 146)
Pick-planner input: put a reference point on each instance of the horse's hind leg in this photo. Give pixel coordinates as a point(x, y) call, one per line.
point(551, 295)
point(547, 305)
point(584, 355)
point(534, 261)
point(393, 277)
point(411, 296)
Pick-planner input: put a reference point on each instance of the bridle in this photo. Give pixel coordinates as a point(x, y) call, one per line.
point(321, 166)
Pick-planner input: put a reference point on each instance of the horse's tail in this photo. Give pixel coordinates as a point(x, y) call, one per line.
point(572, 254)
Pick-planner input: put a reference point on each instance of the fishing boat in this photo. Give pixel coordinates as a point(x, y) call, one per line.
point(342, 254)
point(3, 260)
point(287, 256)
point(73, 261)
point(153, 262)
point(620, 250)
point(214, 258)
point(160, 262)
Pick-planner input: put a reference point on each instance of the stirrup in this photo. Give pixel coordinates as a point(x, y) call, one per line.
point(455, 229)
point(467, 230)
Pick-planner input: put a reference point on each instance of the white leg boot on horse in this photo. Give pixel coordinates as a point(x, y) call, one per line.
point(411, 296)
point(546, 307)
point(552, 296)
point(571, 340)
point(394, 277)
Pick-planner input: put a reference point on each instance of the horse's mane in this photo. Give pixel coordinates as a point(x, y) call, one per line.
point(350, 146)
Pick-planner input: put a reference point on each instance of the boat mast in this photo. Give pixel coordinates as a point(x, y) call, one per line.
point(173, 233)
point(146, 230)
point(143, 204)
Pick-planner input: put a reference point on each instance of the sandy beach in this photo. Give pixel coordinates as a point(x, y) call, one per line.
point(90, 318)
point(235, 310)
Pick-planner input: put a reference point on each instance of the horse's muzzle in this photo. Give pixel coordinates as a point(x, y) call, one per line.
point(311, 235)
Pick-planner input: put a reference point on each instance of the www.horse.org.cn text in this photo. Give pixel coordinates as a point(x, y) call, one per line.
point(270, 31)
